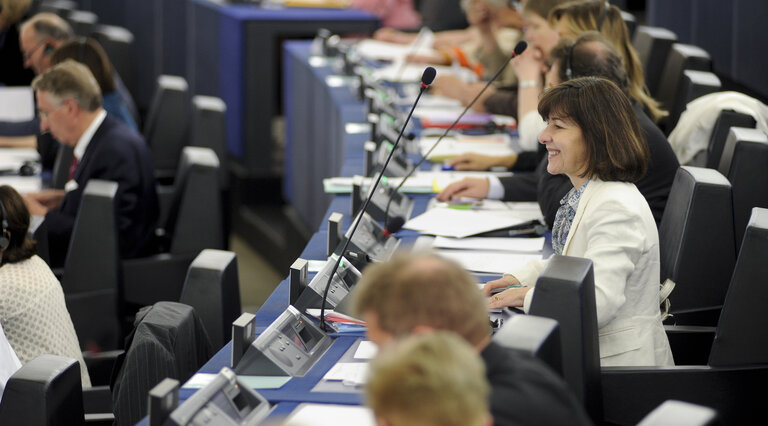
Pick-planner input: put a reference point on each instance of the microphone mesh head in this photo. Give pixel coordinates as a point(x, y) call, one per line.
point(520, 47)
point(428, 76)
point(395, 224)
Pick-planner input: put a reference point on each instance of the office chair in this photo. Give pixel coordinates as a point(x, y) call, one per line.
point(736, 370)
point(208, 129)
point(191, 222)
point(169, 340)
point(119, 44)
point(166, 124)
point(83, 22)
point(681, 57)
point(537, 336)
point(212, 287)
point(653, 45)
point(696, 244)
point(693, 84)
point(59, 7)
point(565, 292)
point(744, 162)
point(631, 22)
point(45, 391)
point(90, 278)
point(38, 231)
point(725, 121)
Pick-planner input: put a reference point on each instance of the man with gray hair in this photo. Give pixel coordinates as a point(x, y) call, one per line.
point(69, 106)
point(40, 36)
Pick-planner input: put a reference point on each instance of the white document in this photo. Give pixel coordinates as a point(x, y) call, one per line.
point(366, 350)
point(23, 184)
point(495, 145)
point(449, 222)
point(529, 245)
point(330, 415)
point(350, 373)
point(492, 262)
point(385, 51)
point(17, 104)
point(201, 380)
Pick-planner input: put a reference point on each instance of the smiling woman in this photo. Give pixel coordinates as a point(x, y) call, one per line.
point(594, 138)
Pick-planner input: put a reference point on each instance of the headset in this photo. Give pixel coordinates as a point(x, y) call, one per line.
point(5, 237)
point(569, 55)
point(48, 49)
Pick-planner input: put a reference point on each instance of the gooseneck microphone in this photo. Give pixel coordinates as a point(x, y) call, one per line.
point(426, 79)
point(519, 49)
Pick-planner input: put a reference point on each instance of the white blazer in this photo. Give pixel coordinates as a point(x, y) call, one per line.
point(614, 227)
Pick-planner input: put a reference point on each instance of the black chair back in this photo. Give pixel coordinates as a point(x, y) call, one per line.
point(169, 340)
point(45, 391)
point(208, 129)
point(83, 22)
point(118, 43)
point(212, 287)
point(91, 270)
point(652, 45)
point(537, 336)
point(565, 292)
point(740, 339)
point(693, 84)
point(167, 122)
point(681, 57)
point(60, 173)
point(696, 239)
point(727, 119)
point(748, 178)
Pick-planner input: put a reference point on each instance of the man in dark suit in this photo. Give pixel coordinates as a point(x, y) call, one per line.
point(424, 293)
point(589, 55)
point(69, 105)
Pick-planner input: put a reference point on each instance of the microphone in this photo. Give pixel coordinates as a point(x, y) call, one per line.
point(426, 79)
point(393, 226)
point(519, 49)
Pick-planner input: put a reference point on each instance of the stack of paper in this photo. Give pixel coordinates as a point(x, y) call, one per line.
point(497, 144)
point(330, 415)
point(448, 222)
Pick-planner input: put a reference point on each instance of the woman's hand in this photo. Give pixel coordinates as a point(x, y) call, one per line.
point(529, 65)
point(505, 281)
point(467, 187)
point(509, 297)
point(475, 161)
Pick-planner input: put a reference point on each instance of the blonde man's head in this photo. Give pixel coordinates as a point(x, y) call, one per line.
point(416, 290)
point(429, 379)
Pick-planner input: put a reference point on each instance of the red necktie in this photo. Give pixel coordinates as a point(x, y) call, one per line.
point(72, 168)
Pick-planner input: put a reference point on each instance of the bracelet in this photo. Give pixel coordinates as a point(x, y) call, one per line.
point(522, 84)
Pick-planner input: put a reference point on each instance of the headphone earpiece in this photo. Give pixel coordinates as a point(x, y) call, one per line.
point(48, 49)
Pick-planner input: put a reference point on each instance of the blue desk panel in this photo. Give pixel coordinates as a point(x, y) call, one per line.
point(242, 65)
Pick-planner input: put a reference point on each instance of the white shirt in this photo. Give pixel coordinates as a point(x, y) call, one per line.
point(85, 138)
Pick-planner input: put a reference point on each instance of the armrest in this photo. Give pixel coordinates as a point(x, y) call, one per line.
point(97, 400)
point(690, 344)
point(100, 365)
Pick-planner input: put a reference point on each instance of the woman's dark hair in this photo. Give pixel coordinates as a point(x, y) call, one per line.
point(616, 150)
point(21, 247)
point(88, 52)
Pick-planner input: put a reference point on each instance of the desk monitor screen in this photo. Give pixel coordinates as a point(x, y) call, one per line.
point(224, 401)
point(300, 335)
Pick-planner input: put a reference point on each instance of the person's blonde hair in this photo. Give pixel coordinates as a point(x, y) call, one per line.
point(12, 11)
point(422, 289)
point(582, 16)
point(70, 79)
point(429, 379)
point(541, 7)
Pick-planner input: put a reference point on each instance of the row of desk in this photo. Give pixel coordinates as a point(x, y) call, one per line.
point(320, 148)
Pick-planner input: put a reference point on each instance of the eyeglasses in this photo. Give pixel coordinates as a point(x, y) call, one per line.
point(44, 114)
point(28, 55)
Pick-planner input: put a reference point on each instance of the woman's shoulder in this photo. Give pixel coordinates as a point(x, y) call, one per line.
point(621, 196)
